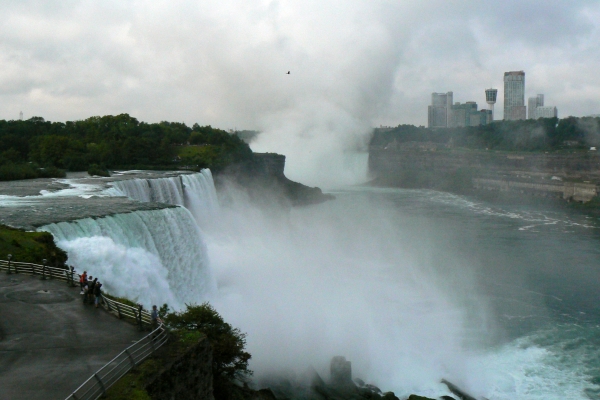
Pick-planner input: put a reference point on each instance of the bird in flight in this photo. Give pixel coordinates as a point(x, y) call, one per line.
point(288, 72)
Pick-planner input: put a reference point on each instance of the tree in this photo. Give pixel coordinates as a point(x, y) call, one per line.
point(230, 361)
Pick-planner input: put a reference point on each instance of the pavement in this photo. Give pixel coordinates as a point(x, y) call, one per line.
point(50, 342)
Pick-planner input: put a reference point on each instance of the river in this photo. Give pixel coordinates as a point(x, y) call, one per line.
point(411, 286)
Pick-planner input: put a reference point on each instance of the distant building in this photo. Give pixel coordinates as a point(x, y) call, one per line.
point(438, 111)
point(466, 114)
point(532, 104)
point(442, 113)
point(514, 95)
point(490, 97)
point(546, 112)
point(536, 108)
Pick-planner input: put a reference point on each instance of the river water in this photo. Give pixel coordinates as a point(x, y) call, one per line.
point(411, 286)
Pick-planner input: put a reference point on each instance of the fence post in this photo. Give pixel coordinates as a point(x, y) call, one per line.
point(119, 310)
point(72, 273)
point(44, 269)
point(139, 316)
point(9, 257)
point(101, 383)
point(133, 365)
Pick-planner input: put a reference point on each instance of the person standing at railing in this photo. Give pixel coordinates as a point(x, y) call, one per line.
point(84, 291)
point(83, 280)
point(91, 287)
point(97, 293)
point(154, 317)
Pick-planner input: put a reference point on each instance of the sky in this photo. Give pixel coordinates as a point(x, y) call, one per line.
point(353, 64)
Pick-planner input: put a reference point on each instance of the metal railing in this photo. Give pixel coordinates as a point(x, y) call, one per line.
point(46, 272)
point(122, 310)
point(69, 275)
point(105, 377)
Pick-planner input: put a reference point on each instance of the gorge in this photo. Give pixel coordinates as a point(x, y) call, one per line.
point(411, 285)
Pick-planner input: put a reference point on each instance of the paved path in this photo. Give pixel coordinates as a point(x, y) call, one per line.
point(50, 342)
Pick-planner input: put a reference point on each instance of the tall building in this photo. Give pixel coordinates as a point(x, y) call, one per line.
point(514, 95)
point(532, 104)
point(438, 111)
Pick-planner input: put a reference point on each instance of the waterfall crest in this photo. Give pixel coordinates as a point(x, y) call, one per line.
point(160, 190)
point(132, 253)
point(196, 192)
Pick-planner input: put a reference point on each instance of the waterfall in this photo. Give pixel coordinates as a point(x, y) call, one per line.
point(194, 191)
point(148, 256)
point(160, 190)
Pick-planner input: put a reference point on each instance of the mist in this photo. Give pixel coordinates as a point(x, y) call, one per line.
point(341, 278)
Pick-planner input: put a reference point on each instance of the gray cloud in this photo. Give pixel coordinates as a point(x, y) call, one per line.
point(354, 63)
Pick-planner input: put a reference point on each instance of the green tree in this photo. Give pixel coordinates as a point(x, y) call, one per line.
point(230, 361)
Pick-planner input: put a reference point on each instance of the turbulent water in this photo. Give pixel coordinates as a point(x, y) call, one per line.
point(412, 286)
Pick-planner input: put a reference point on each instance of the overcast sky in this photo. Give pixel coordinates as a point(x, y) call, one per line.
point(354, 64)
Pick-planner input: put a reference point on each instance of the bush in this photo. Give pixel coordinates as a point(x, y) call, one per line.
point(230, 361)
point(96, 170)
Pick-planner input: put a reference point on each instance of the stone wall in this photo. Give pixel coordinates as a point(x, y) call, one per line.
point(188, 377)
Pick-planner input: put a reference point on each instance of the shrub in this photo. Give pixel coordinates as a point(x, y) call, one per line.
point(230, 361)
point(96, 170)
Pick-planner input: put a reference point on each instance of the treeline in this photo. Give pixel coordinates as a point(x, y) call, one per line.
point(36, 147)
point(544, 134)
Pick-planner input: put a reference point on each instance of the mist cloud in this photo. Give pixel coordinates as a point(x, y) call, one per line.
point(354, 64)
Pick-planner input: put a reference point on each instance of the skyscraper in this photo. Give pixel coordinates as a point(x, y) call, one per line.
point(438, 111)
point(514, 95)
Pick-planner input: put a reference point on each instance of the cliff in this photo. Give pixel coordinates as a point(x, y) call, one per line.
point(570, 176)
point(264, 174)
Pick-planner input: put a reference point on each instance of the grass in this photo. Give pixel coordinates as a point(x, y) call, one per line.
point(30, 247)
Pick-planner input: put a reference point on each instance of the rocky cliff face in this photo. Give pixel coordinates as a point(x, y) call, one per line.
point(264, 175)
point(572, 176)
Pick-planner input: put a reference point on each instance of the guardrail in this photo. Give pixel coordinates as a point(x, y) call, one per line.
point(105, 377)
point(121, 310)
point(46, 272)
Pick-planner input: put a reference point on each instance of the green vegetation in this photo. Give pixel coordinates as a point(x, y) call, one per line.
point(133, 385)
point(187, 328)
point(230, 361)
point(30, 247)
point(39, 148)
point(96, 170)
point(544, 134)
point(14, 171)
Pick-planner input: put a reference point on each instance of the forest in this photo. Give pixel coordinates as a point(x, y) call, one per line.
point(544, 134)
point(39, 148)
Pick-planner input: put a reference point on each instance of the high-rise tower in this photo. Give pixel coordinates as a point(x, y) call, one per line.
point(438, 111)
point(514, 95)
point(490, 98)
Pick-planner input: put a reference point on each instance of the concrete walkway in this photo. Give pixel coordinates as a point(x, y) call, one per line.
point(50, 342)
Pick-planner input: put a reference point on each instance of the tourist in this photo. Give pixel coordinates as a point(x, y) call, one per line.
point(97, 293)
point(84, 291)
point(154, 316)
point(83, 280)
point(91, 284)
